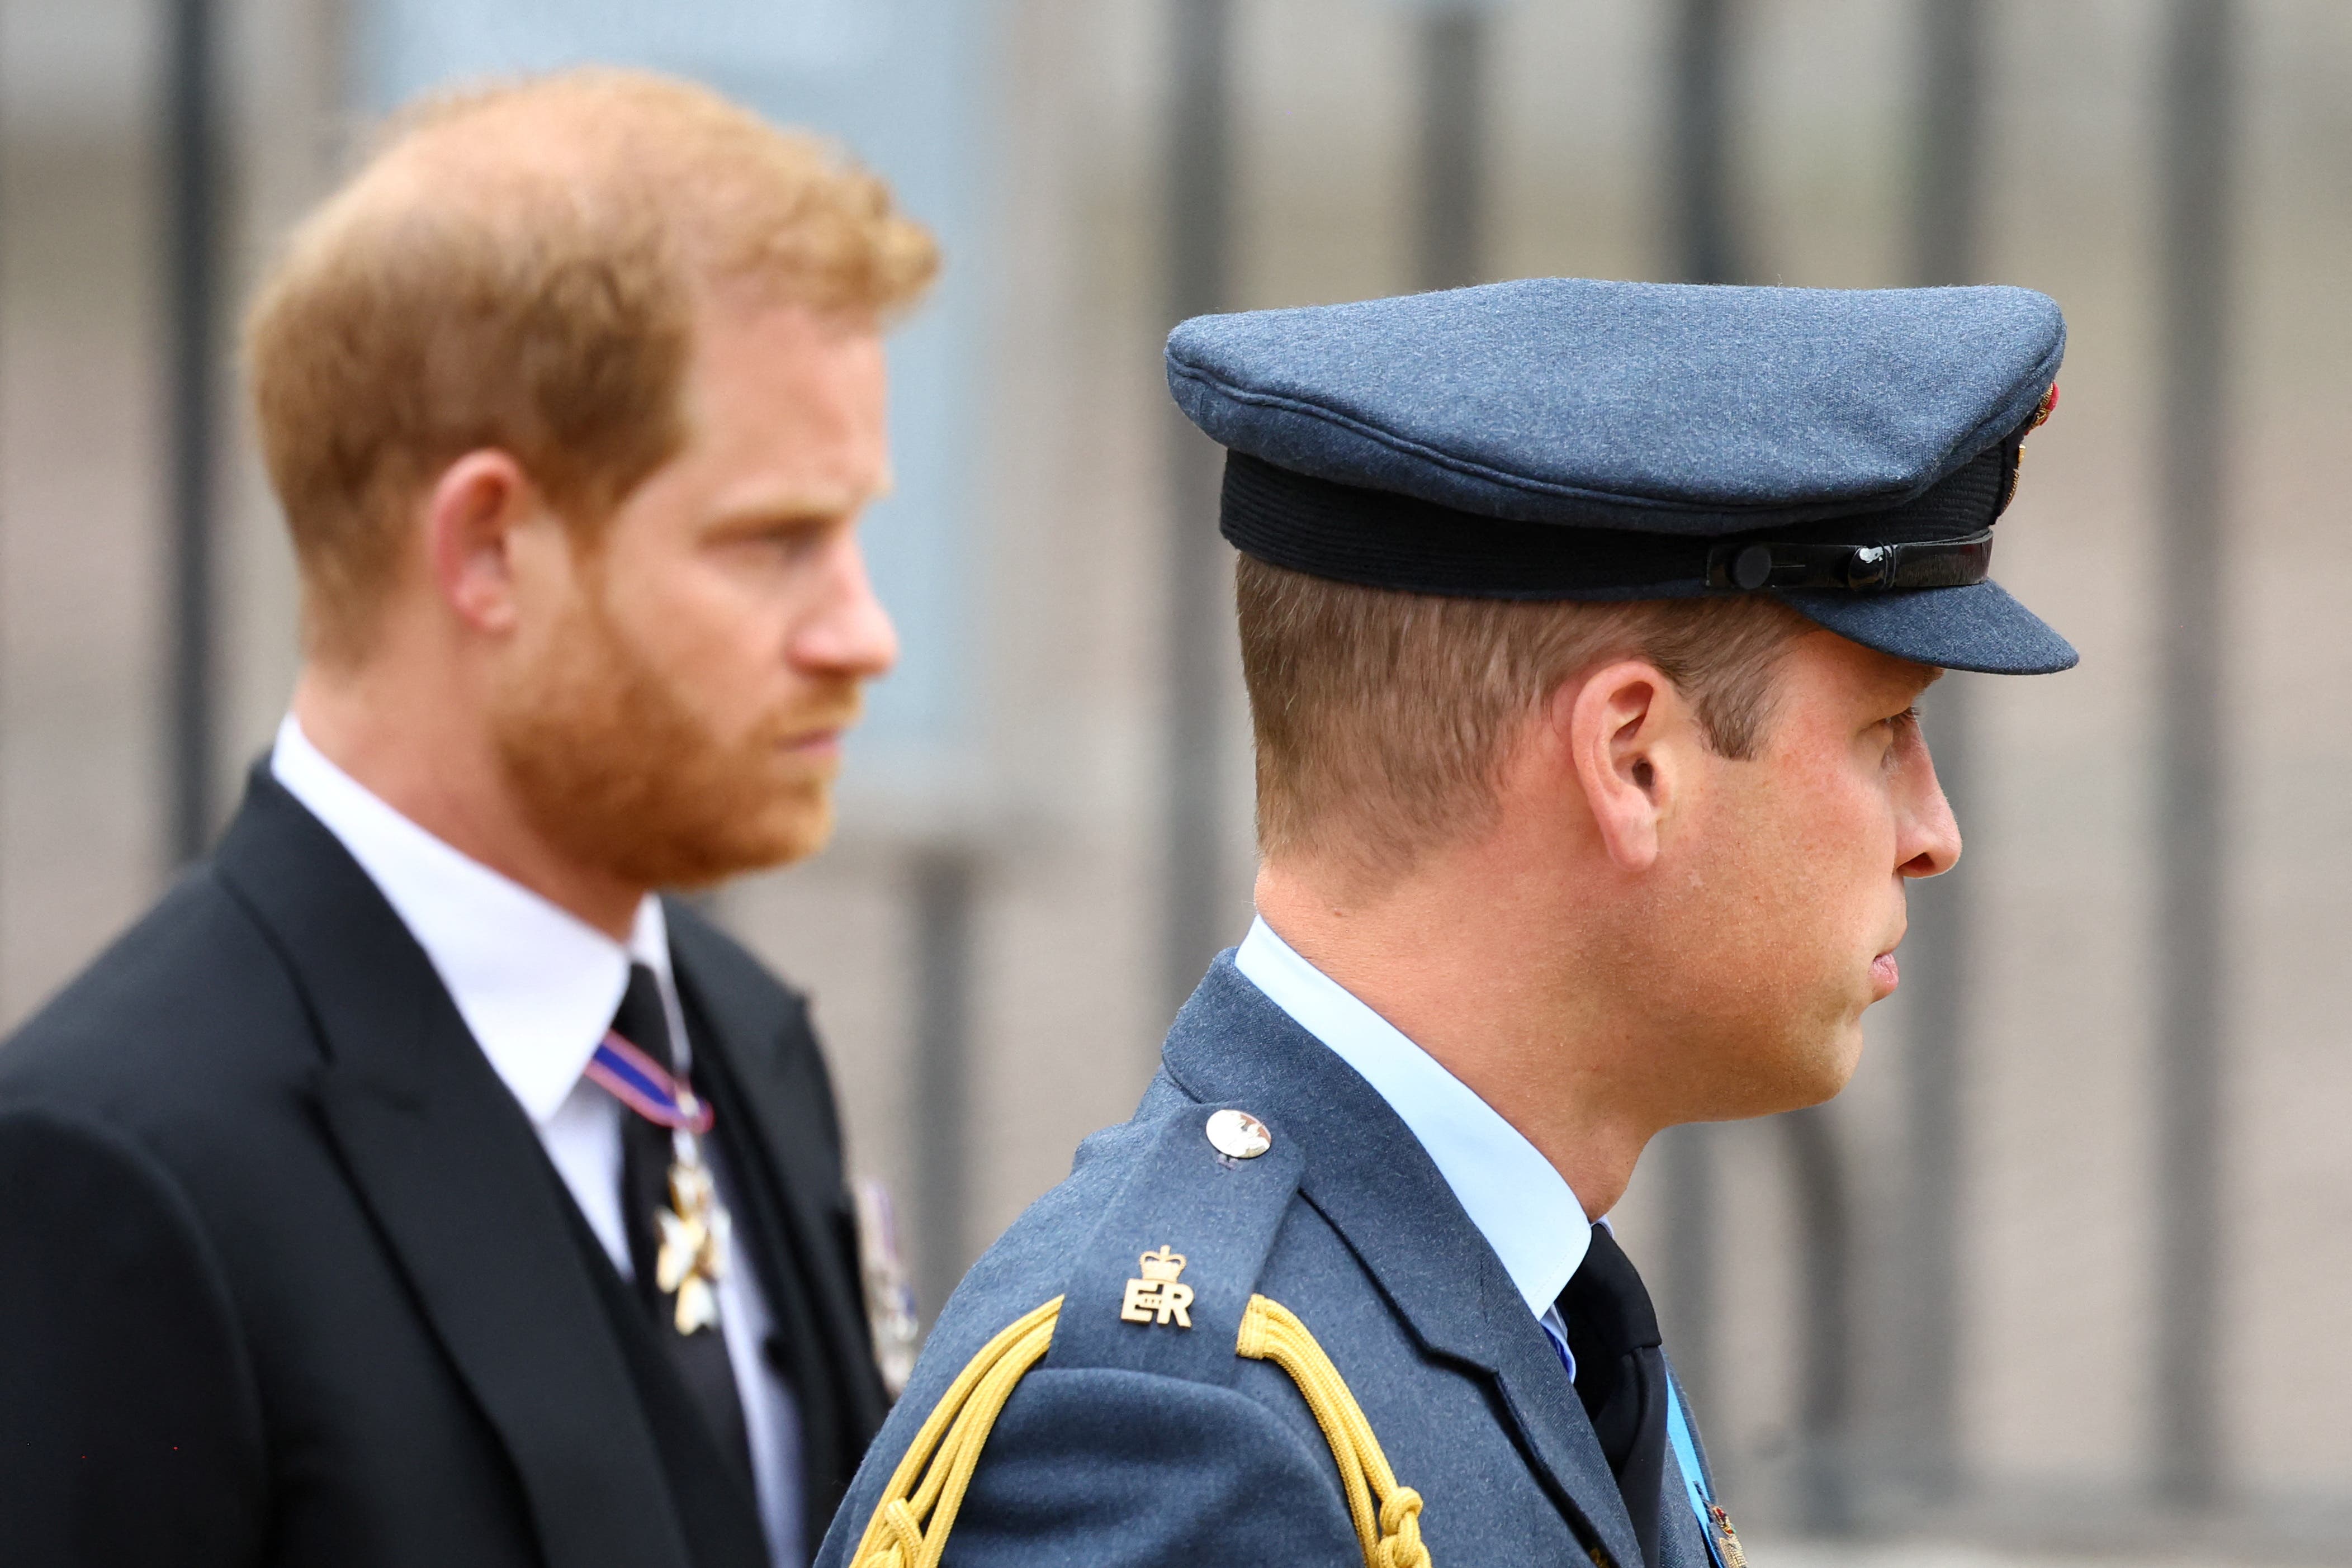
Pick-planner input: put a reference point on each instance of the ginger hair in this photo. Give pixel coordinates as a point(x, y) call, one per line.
point(1383, 719)
point(520, 266)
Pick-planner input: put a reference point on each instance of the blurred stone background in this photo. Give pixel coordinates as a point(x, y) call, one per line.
point(2033, 1288)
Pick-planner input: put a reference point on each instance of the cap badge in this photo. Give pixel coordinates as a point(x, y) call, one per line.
point(2045, 408)
point(2041, 412)
point(1159, 1297)
point(1238, 1135)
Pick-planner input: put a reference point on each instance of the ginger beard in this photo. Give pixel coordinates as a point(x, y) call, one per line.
point(613, 764)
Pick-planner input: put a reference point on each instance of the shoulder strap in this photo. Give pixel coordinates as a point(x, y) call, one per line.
point(1164, 1284)
point(1161, 1284)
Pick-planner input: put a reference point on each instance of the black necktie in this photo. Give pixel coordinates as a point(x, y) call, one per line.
point(646, 1152)
point(1620, 1376)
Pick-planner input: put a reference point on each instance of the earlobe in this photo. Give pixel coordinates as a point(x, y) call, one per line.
point(1613, 725)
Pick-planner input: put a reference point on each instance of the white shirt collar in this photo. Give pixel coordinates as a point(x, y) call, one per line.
point(536, 984)
point(1520, 1203)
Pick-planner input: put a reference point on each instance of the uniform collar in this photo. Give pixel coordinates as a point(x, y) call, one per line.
point(536, 986)
point(1514, 1197)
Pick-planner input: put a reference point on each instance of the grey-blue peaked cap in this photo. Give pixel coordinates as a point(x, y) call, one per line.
point(1846, 450)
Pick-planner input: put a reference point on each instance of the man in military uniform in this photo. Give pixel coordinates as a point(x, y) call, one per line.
point(1582, 624)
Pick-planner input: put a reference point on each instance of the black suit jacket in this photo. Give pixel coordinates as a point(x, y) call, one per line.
point(286, 1277)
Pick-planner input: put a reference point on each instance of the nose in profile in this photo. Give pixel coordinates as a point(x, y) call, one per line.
point(848, 632)
point(1927, 836)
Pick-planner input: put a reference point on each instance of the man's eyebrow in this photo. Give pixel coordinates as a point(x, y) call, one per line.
point(783, 511)
point(798, 507)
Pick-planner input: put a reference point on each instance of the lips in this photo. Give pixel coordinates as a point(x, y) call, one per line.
point(817, 734)
point(1884, 973)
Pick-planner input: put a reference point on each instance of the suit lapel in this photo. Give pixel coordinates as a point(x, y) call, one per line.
point(789, 1108)
point(455, 1177)
point(1368, 1176)
point(785, 1125)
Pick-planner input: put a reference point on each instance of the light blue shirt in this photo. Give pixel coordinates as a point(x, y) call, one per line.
point(1519, 1202)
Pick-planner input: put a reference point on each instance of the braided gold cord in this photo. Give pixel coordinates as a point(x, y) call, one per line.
point(1390, 1530)
point(910, 1524)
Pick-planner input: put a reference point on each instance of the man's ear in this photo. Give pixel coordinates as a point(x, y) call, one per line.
point(471, 517)
point(1623, 726)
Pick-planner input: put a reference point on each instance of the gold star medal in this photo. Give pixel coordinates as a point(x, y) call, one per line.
point(693, 1228)
point(693, 1246)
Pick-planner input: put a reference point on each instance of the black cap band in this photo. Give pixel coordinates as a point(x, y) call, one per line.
point(1942, 538)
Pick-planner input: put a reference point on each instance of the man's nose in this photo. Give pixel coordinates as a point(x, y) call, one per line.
point(849, 632)
point(1928, 835)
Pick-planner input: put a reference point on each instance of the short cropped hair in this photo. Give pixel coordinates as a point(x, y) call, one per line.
point(1383, 719)
point(519, 266)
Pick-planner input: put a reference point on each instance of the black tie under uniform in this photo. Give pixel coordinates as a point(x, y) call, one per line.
point(1620, 1376)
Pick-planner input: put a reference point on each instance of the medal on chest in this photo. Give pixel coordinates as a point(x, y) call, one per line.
point(693, 1246)
point(691, 1229)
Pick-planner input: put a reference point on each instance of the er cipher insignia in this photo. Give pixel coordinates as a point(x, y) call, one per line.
point(1159, 1297)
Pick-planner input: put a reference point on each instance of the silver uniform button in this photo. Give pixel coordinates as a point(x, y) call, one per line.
point(1239, 1136)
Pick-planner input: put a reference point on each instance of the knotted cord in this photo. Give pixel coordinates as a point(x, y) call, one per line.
point(1387, 1516)
point(909, 1526)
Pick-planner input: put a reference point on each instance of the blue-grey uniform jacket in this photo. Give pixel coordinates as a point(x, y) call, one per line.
point(1152, 1444)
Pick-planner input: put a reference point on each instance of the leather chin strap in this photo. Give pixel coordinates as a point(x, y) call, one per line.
point(1745, 565)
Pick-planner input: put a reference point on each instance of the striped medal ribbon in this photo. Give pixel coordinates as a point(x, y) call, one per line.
point(693, 1231)
point(646, 1087)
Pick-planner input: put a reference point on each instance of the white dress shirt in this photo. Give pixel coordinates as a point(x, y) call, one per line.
point(538, 989)
point(1514, 1197)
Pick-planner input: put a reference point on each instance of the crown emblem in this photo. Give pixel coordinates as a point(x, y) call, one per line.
point(1159, 1297)
point(1163, 1264)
